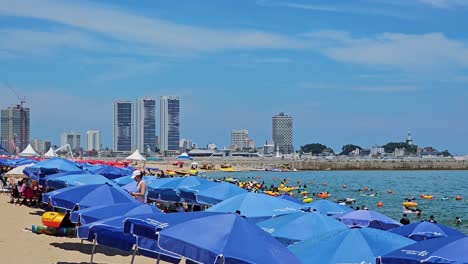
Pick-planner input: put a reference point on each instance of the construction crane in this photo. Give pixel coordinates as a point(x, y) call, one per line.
point(22, 100)
point(68, 149)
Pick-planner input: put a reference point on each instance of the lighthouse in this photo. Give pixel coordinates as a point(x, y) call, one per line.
point(409, 139)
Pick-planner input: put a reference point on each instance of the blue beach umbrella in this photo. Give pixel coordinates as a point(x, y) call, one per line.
point(50, 166)
point(109, 232)
point(295, 227)
point(169, 191)
point(122, 181)
point(229, 239)
point(86, 196)
point(431, 251)
point(354, 245)
point(426, 230)
point(368, 218)
point(218, 192)
point(329, 208)
point(290, 198)
point(256, 206)
point(43, 180)
point(96, 213)
point(111, 172)
point(132, 186)
point(75, 180)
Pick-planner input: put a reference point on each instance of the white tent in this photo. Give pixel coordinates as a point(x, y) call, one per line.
point(136, 156)
point(50, 153)
point(28, 152)
point(17, 172)
point(184, 156)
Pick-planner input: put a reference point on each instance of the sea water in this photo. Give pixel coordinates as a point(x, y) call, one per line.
point(402, 183)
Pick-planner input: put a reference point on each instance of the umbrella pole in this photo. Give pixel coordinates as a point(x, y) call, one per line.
point(159, 259)
point(93, 249)
point(135, 247)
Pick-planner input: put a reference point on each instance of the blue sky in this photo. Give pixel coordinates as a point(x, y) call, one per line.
point(362, 72)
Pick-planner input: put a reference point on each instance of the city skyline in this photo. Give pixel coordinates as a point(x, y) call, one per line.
point(399, 66)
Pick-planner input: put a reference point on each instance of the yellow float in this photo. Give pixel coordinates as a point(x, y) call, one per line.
point(410, 204)
point(307, 200)
point(428, 197)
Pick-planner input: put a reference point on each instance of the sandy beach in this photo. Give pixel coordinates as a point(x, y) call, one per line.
point(19, 245)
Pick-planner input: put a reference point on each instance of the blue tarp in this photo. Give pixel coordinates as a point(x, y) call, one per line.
point(295, 227)
point(75, 180)
point(329, 208)
point(50, 166)
point(227, 236)
point(256, 206)
point(426, 230)
point(354, 245)
point(368, 218)
point(431, 251)
point(96, 213)
point(86, 196)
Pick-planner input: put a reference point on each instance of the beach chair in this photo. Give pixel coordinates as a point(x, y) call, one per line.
point(15, 194)
point(28, 195)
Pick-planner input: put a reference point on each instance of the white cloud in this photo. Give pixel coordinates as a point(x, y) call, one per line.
point(412, 52)
point(148, 32)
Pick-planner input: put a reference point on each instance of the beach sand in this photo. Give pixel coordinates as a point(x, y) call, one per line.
point(19, 245)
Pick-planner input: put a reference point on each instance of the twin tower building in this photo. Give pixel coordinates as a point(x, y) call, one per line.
point(135, 126)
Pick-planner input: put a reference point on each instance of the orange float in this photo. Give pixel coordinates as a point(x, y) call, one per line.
point(379, 204)
point(344, 186)
point(458, 198)
point(323, 195)
point(390, 191)
point(366, 188)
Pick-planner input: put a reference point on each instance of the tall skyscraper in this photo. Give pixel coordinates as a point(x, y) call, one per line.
point(71, 138)
point(123, 126)
point(93, 140)
point(146, 124)
point(14, 132)
point(283, 133)
point(170, 129)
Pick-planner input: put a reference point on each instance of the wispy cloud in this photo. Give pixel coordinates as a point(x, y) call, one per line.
point(445, 3)
point(432, 51)
point(140, 30)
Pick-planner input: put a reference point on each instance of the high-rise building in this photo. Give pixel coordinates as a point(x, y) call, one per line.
point(185, 145)
point(40, 146)
point(93, 140)
point(71, 138)
point(14, 132)
point(123, 126)
point(239, 139)
point(283, 133)
point(170, 127)
point(146, 124)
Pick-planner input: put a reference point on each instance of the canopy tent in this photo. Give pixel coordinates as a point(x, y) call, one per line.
point(28, 152)
point(354, 245)
point(256, 206)
point(17, 172)
point(295, 227)
point(50, 153)
point(184, 156)
point(431, 251)
point(136, 156)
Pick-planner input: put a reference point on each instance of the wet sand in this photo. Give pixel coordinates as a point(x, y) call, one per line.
point(19, 245)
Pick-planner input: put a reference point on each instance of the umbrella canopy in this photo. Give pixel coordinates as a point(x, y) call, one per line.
point(75, 180)
point(50, 153)
point(96, 213)
point(16, 162)
point(329, 208)
point(256, 206)
point(17, 172)
point(354, 245)
point(184, 156)
point(28, 152)
point(50, 166)
point(133, 186)
point(122, 181)
point(290, 198)
point(218, 192)
point(86, 196)
point(440, 250)
point(136, 156)
point(368, 218)
point(426, 230)
point(43, 180)
point(295, 227)
point(109, 232)
point(230, 239)
point(169, 189)
point(111, 172)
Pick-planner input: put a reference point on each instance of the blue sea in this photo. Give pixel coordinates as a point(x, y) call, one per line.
point(402, 183)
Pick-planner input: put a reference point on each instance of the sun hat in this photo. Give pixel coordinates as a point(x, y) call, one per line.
point(135, 173)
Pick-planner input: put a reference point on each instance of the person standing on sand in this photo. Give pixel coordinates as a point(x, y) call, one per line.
point(140, 194)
